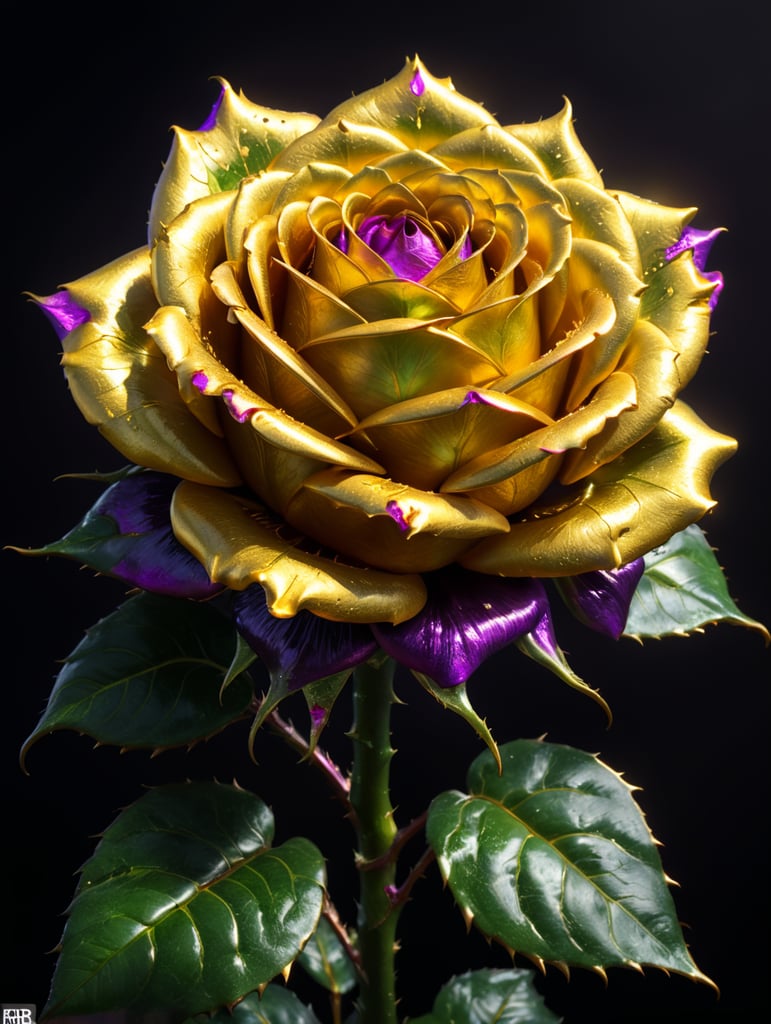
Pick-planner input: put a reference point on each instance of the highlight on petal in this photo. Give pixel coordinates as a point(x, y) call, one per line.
point(63, 311)
point(601, 599)
point(699, 242)
point(466, 618)
point(304, 648)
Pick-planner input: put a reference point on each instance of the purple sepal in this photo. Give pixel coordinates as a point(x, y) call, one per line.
point(466, 618)
point(600, 600)
point(63, 312)
point(149, 555)
point(301, 649)
point(211, 120)
point(700, 242)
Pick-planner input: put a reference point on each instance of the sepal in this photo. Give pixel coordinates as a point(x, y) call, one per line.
point(456, 699)
point(683, 589)
point(127, 534)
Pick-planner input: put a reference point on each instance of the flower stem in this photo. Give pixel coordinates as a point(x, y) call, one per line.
point(371, 801)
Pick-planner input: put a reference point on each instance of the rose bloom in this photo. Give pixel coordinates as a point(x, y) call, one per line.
point(392, 370)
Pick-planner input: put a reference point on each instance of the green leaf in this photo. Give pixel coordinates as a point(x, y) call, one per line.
point(148, 675)
point(480, 997)
point(326, 960)
point(276, 1005)
point(682, 589)
point(553, 859)
point(185, 906)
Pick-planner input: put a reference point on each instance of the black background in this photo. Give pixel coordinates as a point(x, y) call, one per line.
point(671, 101)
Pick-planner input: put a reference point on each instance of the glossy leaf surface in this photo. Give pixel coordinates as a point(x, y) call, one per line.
point(682, 589)
point(149, 675)
point(479, 997)
point(185, 906)
point(327, 962)
point(553, 859)
point(277, 1005)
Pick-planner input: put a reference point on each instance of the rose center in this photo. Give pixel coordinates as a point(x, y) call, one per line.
point(409, 249)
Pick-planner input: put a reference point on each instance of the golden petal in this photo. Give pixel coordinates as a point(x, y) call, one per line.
point(509, 330)
point(121, 383)
point(616, 395)
point(374, 365)
point(226, 287)
point(312, 310)
point(598, 215)
point(186, 253)
point(255, 199)
point(676, 300)
point(187, 355)
point(599, 318)
point(397, 298)
point(341, 141)
point(419, 118)
point(594, 265)
point(243, 141)
point(423, 440)
point(239, 545)
point(261, 249)
point(654, 226)
point(652, 361)
point(487, 146)
point(622, 511)
point(315, 179)
point(554, 141)
point(388, 524)
point(332, 268)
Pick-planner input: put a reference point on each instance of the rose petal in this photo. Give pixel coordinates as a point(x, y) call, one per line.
point(407, 249)
point(304, 648)
point(700, 243)
point(600, 600)
point(467, 617)
point(63, 311)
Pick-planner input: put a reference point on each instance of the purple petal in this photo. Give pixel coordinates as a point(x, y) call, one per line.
point(601, 599)
point(63, 312)
point(466, 618)
point(301, 649)
point(409, 251)
point(211, 120)
point(146, 552)
point(700, 242)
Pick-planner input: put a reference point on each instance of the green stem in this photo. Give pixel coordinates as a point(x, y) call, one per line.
point(371, 800)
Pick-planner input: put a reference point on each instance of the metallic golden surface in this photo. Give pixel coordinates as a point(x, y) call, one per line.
point(239, 545)
point(622, 511)
point(512, 406)
point(121, 383)
point(387, 524)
